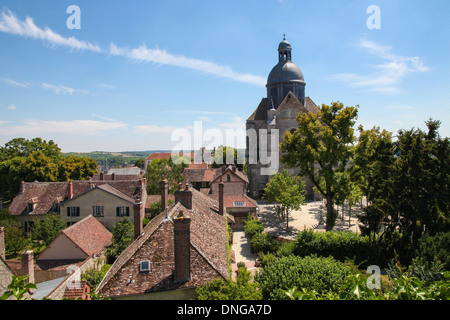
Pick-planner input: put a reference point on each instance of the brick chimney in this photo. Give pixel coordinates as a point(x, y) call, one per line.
point(137, 209)
point(28, 265)
point(2, 243)
point(221, 200)
point(182, 247)
point(164, 194)
point(70, 190)
point(22, 186)
point(184, 196)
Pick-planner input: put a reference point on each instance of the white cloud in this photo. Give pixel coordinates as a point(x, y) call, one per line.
point(12, 107)
point(75, 127)
point(13, 83)
point(144, 54)
point(9, 23)
point(238, 123)
point(388, 74)
point(60, 89)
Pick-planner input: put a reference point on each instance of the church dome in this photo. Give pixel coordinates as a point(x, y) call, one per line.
point(285, 71)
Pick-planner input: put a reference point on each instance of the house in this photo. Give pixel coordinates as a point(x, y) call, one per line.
point(235, 182)
point(107, 200)
point(180, 249)
point(86, 238)
point(239, 206)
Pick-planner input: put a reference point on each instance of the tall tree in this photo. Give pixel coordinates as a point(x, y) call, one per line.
point(286, 192)
point(322, 148)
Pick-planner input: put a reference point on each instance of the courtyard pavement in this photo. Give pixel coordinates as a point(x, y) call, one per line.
point(311, 215)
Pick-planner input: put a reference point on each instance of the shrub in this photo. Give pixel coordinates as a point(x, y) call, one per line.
point(262, 242)
point(321, 274)
point(253, 227)
point(220, 289)
point(435, 247)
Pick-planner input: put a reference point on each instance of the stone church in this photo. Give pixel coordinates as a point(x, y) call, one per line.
point(278, 111)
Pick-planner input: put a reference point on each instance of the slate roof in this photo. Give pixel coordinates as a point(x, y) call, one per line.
point(208, 244)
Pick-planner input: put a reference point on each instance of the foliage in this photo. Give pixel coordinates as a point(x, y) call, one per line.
point(286, 192)
point(47, 229)
point(95, 276)
point(220, 289)
point(410, 192)
point(322, 148)
point(435, 247)
point(15, 242)
point(18, 288)
point(425, 271)
point(227, 156)
point(123, 236)
point(159, 169)
point(263, 242)
point(252, 227)
point(310, 273)
point(30, 160)
point(155, 208)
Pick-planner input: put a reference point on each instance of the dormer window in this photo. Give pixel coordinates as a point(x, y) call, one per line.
point(145, 266)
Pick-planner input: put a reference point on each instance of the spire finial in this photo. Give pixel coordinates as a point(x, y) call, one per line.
point(284, 36)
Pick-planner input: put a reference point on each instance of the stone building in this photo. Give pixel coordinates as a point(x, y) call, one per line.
point(275, 115)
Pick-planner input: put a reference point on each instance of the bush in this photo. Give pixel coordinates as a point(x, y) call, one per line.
point(262, 242)
point(310, 273)
point(253, 227)
point(220, 289)
point(435, 247)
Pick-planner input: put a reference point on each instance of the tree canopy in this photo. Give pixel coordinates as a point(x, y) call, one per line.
point(322, 148)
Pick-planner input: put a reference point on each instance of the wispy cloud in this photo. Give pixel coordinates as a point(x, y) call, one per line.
point(388, 74)
point(75, 127)
point(13, 83)
point(9, 23)
point(144, 54)
point(60, 89)
point(12, 107)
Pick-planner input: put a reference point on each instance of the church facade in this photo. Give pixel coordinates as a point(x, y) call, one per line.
point(275, 115)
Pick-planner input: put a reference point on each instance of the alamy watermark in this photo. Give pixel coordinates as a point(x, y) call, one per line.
point(374, 20)
point(262, 145)
point(74, 20)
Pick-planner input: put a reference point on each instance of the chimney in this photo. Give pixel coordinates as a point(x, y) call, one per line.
point(164, 194)
point(101, 175)
point(221, 200)
point(184, 196)
point(137, 209)
point(28, 265)
point(2, 243)
point(22, 186)
point(182, 247)
point(70, 190)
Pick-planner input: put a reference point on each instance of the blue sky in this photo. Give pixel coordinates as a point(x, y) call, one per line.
point(138, 70)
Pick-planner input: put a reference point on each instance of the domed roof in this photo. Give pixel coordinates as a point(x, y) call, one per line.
point(285, 71)
point(284, 45)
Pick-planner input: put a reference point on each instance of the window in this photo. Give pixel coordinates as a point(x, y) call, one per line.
point(97, 211)
point(145, 266)
point(122, 211)
point(228, 178)
point(239, 203)
point(73, 211)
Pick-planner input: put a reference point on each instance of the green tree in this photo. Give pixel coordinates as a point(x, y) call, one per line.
point(47, 229)
point(18, 288)
point(76, 168)
point(286, 192)
point(321, 148)
point(15, 242)
point(227, 156)
point(123, 236)
point(159, 169)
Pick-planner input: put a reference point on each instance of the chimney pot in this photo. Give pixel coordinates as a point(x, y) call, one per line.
point(70, 190)
point(221, 199)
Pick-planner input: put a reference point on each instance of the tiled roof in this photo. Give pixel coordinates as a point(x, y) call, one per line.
point(89, 235)
point(198, 175)
point(208, 247)
point(230, 199)
point(166, 155)
point(78, 292)
point(46, 194)
point(223, 171)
